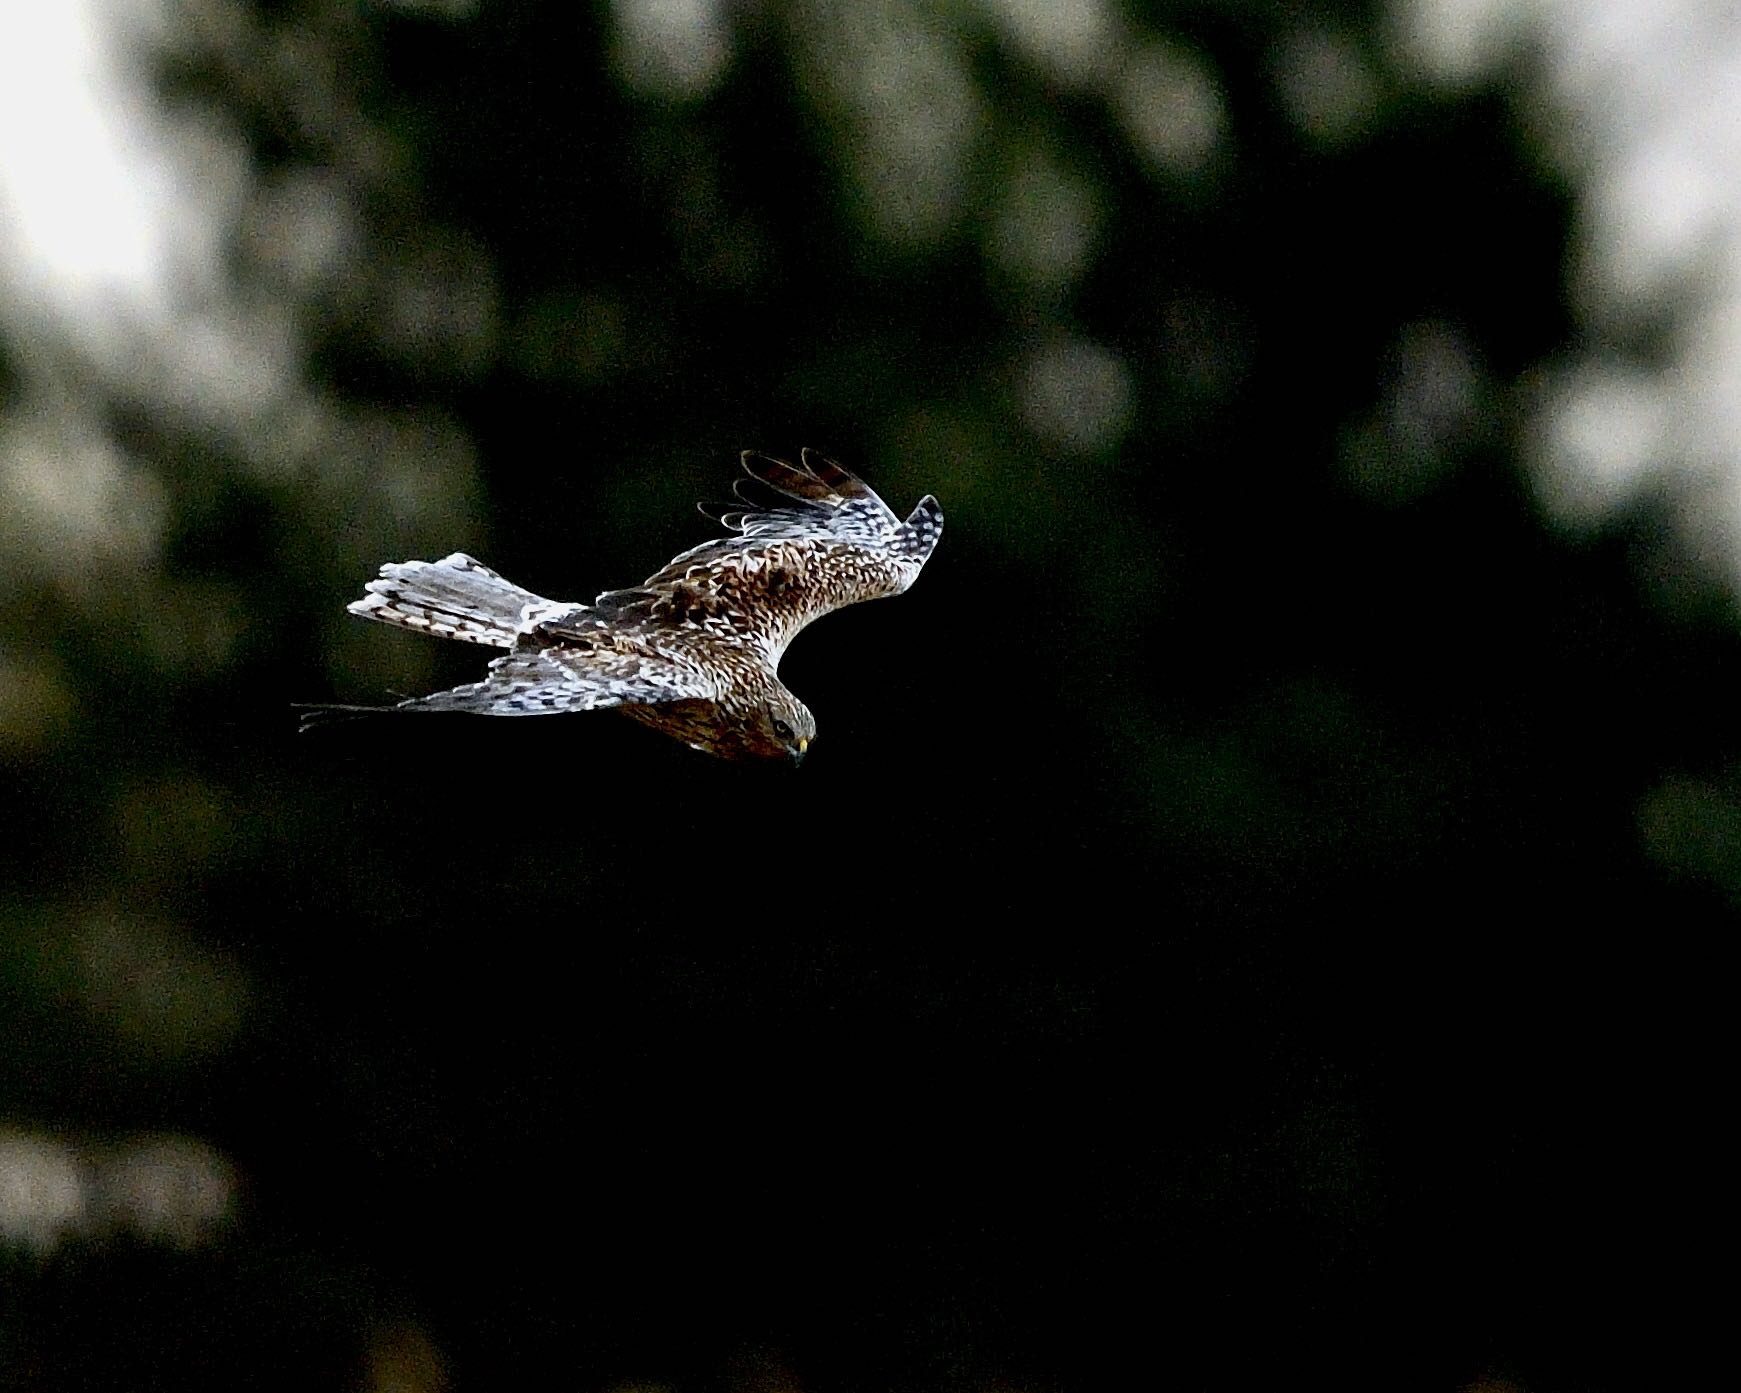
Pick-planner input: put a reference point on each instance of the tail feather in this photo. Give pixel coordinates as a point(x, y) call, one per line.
point(455, 597)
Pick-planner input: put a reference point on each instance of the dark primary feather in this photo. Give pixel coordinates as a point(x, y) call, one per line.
point(777, 499)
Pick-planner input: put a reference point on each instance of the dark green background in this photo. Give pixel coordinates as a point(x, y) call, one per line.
point(1219, 937)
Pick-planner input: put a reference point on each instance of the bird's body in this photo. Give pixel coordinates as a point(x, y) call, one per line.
point(694, 650)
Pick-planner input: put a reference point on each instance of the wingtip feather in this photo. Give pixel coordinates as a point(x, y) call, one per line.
point(837, 477)
point(783, 476)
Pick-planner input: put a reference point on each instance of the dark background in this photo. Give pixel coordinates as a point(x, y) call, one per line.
point(1247, 916)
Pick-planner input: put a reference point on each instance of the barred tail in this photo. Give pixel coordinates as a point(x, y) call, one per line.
point(455, 597)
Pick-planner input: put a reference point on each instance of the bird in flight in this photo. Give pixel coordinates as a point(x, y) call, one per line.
point(694, 650)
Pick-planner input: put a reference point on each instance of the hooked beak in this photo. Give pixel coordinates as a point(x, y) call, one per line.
point(803, 749)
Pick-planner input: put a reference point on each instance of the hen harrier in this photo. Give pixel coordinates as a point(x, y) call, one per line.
point(693, 650)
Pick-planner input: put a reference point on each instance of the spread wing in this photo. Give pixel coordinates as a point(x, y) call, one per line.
point(810, 538)
point(582, 674)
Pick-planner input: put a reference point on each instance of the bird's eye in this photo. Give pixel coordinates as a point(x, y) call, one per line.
point(781, 729)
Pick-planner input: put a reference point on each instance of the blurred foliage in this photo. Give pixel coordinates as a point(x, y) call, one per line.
point(1244, 917)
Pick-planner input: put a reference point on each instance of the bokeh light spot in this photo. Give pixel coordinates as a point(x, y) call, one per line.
point(672, 48)
point(1170, 104)
point(1042, 230)
point(1076, 394)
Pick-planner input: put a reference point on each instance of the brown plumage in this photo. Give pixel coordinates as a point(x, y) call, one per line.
point(694, 650)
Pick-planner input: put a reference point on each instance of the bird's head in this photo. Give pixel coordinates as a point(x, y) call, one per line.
point(775, 725)
point(779, 728)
